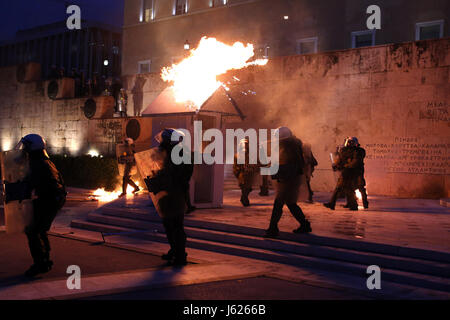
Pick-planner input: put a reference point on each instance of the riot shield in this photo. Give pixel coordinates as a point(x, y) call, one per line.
point(18, 206)
point(124, 155)
point(149, 162)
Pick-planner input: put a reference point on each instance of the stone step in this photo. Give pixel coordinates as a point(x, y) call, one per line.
point(362, 246)
point(289, 258)
point(384, 261)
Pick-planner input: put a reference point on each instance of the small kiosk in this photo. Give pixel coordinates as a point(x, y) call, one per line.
point(207, 181)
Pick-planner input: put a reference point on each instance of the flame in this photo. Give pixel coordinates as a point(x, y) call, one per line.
point(195, 78)
point(107, 196)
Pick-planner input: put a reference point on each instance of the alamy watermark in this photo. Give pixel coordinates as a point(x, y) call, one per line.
point(374, 280)
point(74, 280)
point(213, 153)
point(74, 20)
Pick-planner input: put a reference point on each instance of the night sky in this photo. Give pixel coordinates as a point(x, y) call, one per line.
point(23, 14)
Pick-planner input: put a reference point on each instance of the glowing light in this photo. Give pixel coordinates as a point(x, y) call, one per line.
point(107, 196)
point(74, 147)
point(105, 63)
point(93, 153)
point(194, 79)
point(286, 17)
point(6, 145)
point(358, 195)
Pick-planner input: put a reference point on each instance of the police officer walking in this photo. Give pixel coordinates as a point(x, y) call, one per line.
point(128, 159)
point(349, 164)
point(360, 181)
point(310, 164)
point(49, 188)
point(288, 182)
point(173, 179)
point(244, 172)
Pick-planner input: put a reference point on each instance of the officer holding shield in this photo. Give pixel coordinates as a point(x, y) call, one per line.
point(48, 185)
point(171, 181)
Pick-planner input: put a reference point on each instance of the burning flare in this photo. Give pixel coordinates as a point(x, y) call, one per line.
point(106, 196)
point(195, 78)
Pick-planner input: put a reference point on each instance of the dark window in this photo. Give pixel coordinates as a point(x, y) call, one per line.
point(148, 10)
point(307, 47)
point(219, 3)
point(180, 7)
point(363, 40)
point(430, 32)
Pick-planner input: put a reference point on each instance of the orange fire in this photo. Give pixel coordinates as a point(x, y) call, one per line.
point(107, 196)
point(195, 78)
point(358, 195)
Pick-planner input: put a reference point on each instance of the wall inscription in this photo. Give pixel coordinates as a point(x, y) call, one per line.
point(409, 155)
point(435, 111)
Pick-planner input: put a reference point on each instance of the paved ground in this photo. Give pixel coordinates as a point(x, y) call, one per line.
point(415, 223)
point(117, 273)
point(257, 288)
point(90, 257)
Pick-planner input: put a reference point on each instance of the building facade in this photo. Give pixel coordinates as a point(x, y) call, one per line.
point(156, 31)
point(94, 49)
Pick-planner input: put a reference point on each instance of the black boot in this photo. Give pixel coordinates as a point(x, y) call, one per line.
point(305, 227)
point(264, 192)
point(37, 268)
point(168, 256)
point(364, 198)
point(329, 205)
point(179, 261)
point(244, 197)
point(271, 233)
point(277, 211)
point(190, 209)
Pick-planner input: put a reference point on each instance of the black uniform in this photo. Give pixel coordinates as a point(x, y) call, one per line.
point(51, 196)
point(129, 163)
point(288, 185)
point(245, 174)
point(189, 170)
point(349, 164)
point(173, 179)
point(360, 181)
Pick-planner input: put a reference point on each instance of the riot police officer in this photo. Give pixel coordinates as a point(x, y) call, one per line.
point(172, 178)
point(245, 172)
point(128, 160)
point(49, 188)
point(310, 164)
point(288, 180)
point(348, 163)
point(359, 165)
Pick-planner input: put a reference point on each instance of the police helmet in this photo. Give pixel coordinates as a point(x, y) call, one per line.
point(165, 136)
point(33, 142)
point(284, 132)
point(349, 142)
point(355, 141)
